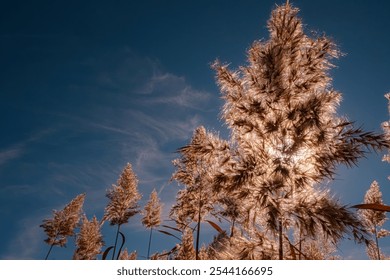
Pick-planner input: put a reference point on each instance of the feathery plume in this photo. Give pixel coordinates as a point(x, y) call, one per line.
point(152, 215)
point(195, 170)
point(124, 197)
point(186, 249)
point(373, 220)
point(152, 211)
point(63, 223)
point(386, 128)
point(124, 255)
point(123, 204)
point(286, 135)
point(89, 240)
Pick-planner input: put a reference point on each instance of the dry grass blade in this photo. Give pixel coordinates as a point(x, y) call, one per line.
point(105, 254)
point(372, 206)
point(168, 233)
point(121, 247)
point(173, 228)
point(215, 226)
point(292, 250)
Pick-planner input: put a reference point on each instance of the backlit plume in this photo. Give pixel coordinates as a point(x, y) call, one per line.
point(124, 197)
point(286, 138)
point(89, 240)
point(63, 223)
point(152, 211)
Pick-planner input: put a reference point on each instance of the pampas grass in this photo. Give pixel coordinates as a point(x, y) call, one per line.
point(124, 255)
point(266, 181)
point(89, 241)
point(152, 215)
point(124, 197)
point(186, 250)
point(123, 204)
point(63, 223)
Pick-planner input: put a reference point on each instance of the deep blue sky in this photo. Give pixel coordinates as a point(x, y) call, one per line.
point(87, 86)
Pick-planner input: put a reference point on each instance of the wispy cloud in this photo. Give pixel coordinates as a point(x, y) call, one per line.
point(17, 150)
point(27, 240)
point(10, 154)
point(127, 73)
point(167, 88)
point(150, 109)
point(165, 128)
point(97, 122)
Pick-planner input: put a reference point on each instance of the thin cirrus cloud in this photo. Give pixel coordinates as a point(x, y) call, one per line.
point(10, 154)
point(146, 111)
point(17, 150)
point(176, 92)
point(165, 128)
point(27, 240)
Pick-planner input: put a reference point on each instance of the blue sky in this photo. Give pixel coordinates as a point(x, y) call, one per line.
point(87, 86)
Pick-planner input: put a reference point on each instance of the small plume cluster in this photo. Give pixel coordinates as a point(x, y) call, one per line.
point(123, 204)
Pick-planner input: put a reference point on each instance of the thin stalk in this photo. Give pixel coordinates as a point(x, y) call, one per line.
point(300, 242)
point(197, 241)
point(197, 238)
point(232, 228)
point(198, 227)
point(280, 240)
point(377, 243)
point(48, 253)
point(301, 253)
point(150, 241)
point(116, 241)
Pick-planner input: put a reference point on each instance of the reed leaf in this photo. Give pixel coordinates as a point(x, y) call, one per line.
point(168, 233)
point(105, 253)
point(372, 206)
point(215, 226)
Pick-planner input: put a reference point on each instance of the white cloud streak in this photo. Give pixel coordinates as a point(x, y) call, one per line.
point(27, 240)
point(167, 88)
point(19, 149)
point(163, 128)
point(10, 154)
